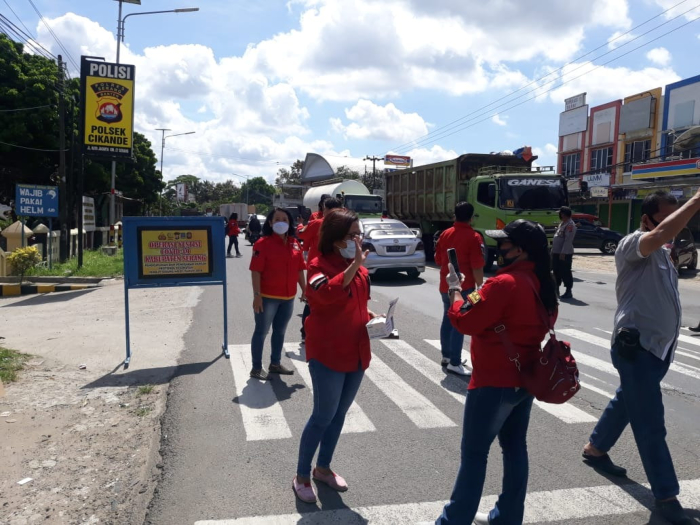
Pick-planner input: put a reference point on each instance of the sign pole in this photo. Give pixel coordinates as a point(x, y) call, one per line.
point(126, 318)
point(22, 232)
point(226, 354)
point(50, 241)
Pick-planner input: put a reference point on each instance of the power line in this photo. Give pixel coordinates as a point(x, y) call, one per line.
point(17, 17)
point(26, 109)
point(30, 149)
point(200, 154)
point(441, 130)
point(462, 128)
point(60, 44)
point(15, 33)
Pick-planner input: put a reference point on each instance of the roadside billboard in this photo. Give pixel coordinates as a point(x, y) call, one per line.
point(107, 108)
point(397, 160)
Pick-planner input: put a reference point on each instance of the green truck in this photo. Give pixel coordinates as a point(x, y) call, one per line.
point(502, 188)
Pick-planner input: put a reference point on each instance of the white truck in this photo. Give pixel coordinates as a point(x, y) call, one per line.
point(354, 195)
point(241, 208)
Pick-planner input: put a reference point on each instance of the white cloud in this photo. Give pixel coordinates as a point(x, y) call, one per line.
point(659, 56)
point(500, 121)
point(618, 38)
point(436, 153)
point(546, 156)
point(682, 8)
point(370, 121)
point(605, 84)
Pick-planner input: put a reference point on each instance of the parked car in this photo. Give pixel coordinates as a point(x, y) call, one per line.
point(588, 235)
point(392, 247)
point(684, 252)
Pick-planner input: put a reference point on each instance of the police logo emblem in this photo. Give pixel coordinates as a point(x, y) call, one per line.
point(109, 97)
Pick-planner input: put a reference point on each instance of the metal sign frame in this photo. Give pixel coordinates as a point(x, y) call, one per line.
point(178, 237)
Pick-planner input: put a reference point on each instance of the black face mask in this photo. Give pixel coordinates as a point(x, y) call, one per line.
point(503, 260)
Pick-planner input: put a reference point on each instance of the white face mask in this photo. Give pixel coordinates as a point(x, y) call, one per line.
point(280, 228)
point(349, 251)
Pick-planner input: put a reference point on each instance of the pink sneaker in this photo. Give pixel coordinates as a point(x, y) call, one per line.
point(332, 480)
point(304, 491)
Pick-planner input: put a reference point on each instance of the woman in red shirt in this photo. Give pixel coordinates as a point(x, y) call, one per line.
point(233, 230)
point(497, 404)
point(337, 345)
point(277, 267)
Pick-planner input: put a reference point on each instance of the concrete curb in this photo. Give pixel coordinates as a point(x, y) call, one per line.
point(53, 280)
point(13, 290)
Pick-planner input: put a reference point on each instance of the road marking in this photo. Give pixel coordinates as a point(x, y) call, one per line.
point(679, 350)
point(429, 368)
point(540, 507)
point(466, 356)
point(356, 421)
point(567, 412)
point(686, 370)
point(261, 412)
point(595, 389)
point(412, 403)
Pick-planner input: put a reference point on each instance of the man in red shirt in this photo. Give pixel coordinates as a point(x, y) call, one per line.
point(470, 255)
point(310, 236)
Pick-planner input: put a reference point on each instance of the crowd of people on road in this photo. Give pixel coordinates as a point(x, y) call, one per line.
point(514, 309)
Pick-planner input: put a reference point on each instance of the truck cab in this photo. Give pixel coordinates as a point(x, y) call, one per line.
point(501, 194)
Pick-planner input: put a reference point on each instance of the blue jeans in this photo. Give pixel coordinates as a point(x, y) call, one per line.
point(276, 313)
point(334, 392)
point(638, 402)
point(451, 340)
point(491, 412)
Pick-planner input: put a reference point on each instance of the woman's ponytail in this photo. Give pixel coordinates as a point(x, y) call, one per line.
point(543, 271)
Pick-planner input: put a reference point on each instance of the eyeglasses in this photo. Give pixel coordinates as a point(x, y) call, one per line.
point(353, 236)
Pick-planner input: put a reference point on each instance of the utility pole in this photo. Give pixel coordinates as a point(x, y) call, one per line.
point(62, 186)
point(374, 167)
point(162, 148)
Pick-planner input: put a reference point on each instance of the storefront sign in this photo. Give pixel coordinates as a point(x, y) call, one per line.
point(573, 185)
point(689, 191)
point(575, 102)
point(597, 179)
point(678, 193)
point(88, 214)
point(597, 191)
point(107, 107)
point(397, 160)
point(630, 195)
point(674, 168)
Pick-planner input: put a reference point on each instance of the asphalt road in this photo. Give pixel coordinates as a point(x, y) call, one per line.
point(230, 444)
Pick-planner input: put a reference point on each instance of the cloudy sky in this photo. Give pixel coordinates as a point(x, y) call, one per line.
point(264, 82)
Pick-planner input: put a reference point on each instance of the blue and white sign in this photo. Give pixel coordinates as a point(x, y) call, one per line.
point(36, 201)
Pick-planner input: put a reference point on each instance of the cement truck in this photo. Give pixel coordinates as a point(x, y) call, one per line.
point(354, 195)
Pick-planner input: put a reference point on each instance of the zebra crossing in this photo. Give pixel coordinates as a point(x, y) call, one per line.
point(263, 415)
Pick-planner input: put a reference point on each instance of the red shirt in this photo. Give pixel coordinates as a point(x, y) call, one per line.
point(470, 253)
point(311, 235)
point(336, 334)
point(507, 299)
point(315, 215)
point(279, 262)
point(232, 228)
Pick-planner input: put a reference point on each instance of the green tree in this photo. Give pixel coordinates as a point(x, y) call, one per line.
point(258, 191)
point(291, 175)
point(347, 173)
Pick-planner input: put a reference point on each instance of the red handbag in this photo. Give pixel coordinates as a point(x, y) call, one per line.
point(553, 377)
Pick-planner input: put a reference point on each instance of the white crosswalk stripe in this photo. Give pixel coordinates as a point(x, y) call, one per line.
point(356, 421)
point(605, 343)
point(564, 505)
point(415, 405)
point(680, 350)
point(262, 415)
point(567, 412)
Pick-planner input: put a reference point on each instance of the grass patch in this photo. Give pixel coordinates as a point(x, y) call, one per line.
point(95, 264)
point(11, 362)
point(144, 390)
point(143, 411)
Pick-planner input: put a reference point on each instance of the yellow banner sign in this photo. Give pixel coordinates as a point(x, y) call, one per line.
point(108, 108)
point(175, 253)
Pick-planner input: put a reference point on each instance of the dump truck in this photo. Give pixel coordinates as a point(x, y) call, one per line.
point(502, 187)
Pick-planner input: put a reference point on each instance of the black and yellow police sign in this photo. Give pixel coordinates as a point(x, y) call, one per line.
point(107, 108)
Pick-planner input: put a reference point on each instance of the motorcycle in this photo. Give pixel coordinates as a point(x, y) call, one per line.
point(253, 237)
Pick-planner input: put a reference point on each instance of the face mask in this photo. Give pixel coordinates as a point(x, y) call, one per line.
point(503, 260)
point(349, 251)
point(280, 228)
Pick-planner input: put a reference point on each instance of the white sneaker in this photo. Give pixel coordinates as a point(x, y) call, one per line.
point(481, 518)
point(457, 369)
point(445, 361)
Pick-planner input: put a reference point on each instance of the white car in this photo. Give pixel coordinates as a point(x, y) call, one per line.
point(392, 246)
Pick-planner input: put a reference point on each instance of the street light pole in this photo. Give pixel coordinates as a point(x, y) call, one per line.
point(120, 39)
point(162, 153)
